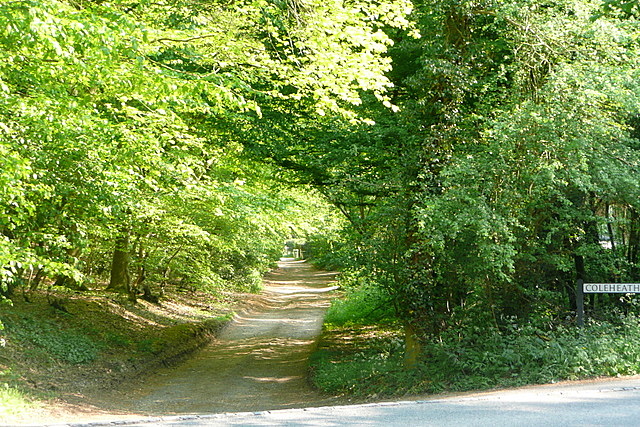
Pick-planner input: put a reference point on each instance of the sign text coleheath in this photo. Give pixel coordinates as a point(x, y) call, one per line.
point(614, 288)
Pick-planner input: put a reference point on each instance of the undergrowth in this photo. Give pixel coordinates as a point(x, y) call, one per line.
point(474, 359)
point(92, 341)
point(361, 353)
point(49, 338)
point(362, 303)
point(480, 358)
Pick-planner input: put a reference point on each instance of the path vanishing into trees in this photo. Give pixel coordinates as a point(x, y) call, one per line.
point(258, 362)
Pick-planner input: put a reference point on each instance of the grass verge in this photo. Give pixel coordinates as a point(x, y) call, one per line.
point(361, 351)
point(13, 402)
point(87, 343)
point(367, 361)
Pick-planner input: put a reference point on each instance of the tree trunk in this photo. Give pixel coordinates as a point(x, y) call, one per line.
point(580, 275)
point(634, 237)
point(120, 279)
point(610, 228)
point(167, 269)
point(140, 282)
point(34, 282)
point(412, 346)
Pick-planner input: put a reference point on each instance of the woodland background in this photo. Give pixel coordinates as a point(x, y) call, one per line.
point(462, 162)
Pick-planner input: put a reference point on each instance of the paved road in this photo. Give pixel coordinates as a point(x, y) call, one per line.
point(599, 403)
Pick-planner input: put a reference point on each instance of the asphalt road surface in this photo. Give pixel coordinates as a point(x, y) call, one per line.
point(596, 403)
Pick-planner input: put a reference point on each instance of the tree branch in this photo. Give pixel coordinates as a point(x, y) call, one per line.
point(187, 40)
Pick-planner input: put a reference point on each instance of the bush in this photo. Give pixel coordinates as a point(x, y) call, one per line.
point(479, 358)
point(363, 302)
point(369, 364)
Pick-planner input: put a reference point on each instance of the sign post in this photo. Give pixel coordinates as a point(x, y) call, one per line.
point(580, 302)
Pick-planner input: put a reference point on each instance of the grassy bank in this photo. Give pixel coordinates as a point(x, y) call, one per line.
point(363, 357)
point(67, 346)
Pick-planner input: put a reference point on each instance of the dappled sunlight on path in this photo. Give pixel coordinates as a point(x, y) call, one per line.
point(258, 362)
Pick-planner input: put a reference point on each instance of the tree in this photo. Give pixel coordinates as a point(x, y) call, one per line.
point(518, 208)
point(515, 132)
point(111, 113)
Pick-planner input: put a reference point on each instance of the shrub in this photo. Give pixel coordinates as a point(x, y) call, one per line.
point(363, 302)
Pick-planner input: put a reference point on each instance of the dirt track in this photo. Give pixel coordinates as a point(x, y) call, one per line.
point(259, 361)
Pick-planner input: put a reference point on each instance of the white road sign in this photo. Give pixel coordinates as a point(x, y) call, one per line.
point(611, 288)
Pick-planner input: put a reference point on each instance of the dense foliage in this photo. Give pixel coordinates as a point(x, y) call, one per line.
point(483, 153)
point(541, 166)
point(510, 171)
point(117, 160)
point(473, 358)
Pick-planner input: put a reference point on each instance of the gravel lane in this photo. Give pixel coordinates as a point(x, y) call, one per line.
point(258, 362)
